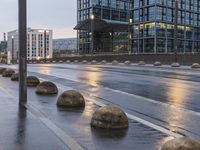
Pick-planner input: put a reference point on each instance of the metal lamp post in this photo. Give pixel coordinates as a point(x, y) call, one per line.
point(130, 36)
point(12, 49)
point(175, 32)
point(22, 51)
point(92, 33)
point(45, 44)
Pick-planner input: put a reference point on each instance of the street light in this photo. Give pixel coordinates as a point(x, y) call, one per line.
point(130, 36)
point(22, 51)
point(45, 46)
point(13, 48)
point(175, 31)
point(92, 17)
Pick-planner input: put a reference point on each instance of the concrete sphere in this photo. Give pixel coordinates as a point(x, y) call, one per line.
point(2, 70)
point(15, 77)
point(76, 61)
point(141, 63)
point(71, 99)
point(184, 143)
point(157, 63)
point(109, 117)
point(195, 65)
point(103, 62)
point(60, 61)
point(47, 88)
point(8, 73)
point(84, 62)
point(54, 61)
point(32, 81)
point(175, 64)
point(93, 62)
point(68, 61)
point(128, 62)
point(115, 62)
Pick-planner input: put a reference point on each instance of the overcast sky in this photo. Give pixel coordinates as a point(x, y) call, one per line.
point(59, 15)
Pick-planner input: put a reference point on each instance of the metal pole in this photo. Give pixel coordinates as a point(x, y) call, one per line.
point(92, 34)
point(22, 51)
point(12, 49)
point(45, 46)
point(175, 32)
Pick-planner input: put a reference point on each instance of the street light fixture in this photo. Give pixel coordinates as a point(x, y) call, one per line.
point(12, 48)
point(92, 17)
point(130, 36)
point(45, 44)
point(175, 31)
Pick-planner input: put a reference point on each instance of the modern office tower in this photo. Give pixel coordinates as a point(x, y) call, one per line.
point(154, 20)
point(39, 44)
point(3, 45)
point(108, 26)
point(103, 26)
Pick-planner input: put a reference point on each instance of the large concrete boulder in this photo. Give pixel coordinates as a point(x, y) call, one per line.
point(93, 62)
point(175, 65)
point(195, 66)
point(68, 61)
point(2, 70)
point(84, 62)
point(8, 73)
point(141, 63)
point(184, 143)
point(115, 62)
point(32, 81)
point(128, 62)
point(103, 62)
point(71, 99)
point(157, 63)
point(15, 77)
point(47, 88)
point(109, 117)
point(76, 61)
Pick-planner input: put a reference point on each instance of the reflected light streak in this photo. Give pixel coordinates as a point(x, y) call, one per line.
point(177, 94)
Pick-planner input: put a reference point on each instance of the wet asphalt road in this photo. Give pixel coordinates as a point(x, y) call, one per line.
point(166, 97)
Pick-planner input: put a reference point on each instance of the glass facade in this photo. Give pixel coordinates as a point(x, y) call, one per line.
point(151, 29)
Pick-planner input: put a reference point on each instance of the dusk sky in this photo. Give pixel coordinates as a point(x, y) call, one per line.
point(59, 15)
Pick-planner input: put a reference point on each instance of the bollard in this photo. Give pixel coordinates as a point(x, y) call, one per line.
point(115, 62)
point(2, 70)
point(15, 77)
point(127, 62)
point(157, 63)
point(141, 63)
point(109, 117)
point(103, 62)
point(71, 99)
point(84, 62)
point(32, 81)
point(175, 64)
point(47, 88)
point(195, 66)
point(93, 62)
point(8, 73)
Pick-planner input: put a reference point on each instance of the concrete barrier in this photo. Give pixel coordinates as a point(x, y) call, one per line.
point(127, 62)
point(195, 66)
point(32, 81)
point(184, 143)
point(93, 62)
point(157, 63)
point(109, 117)
point(2, 70)
point(115, 62)
point(71, 99)
point(141, 63)
point(175, 65)
point(47, 88)
point(15, 77)
point(8, 73)
point(103, 62)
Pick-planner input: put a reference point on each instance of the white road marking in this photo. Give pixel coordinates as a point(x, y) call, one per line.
point(67, 140)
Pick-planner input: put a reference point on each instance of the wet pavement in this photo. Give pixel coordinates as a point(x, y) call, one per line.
point(165, 97)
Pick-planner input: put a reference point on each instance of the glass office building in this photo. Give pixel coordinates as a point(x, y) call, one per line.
point(138, 26)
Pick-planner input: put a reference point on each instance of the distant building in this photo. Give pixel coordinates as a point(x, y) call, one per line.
point(64, 47)
point(39, 44)
point(137, 26)
point(3, 45)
